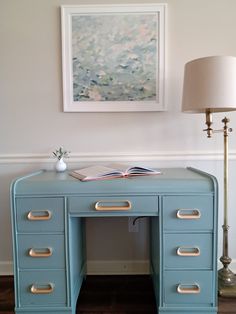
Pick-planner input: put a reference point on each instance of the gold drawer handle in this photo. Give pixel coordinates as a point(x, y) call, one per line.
point(45, 252)
point(42, 289)
point(188, 251)
point(187, 213)
point(188, 289)
point(102, 205)
point(39, 215)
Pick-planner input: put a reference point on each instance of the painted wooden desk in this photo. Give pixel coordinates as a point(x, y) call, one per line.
point(49, 237)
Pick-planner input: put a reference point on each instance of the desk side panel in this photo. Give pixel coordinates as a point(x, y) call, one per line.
point(76, 256)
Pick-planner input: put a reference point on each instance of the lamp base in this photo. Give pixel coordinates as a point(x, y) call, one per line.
point(226, 283)
point(227, 292)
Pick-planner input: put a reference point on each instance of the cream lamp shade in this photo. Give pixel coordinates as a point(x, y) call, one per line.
point(210, 85)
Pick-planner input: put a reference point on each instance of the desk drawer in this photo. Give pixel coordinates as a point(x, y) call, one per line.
point(42, 288)
point(40, 214)
point(99, 205)
point(188, 212)
point(44, 251)
point(188, 251)
point(184, 287)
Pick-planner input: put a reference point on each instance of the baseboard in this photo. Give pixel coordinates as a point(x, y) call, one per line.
point(126, 267)
point(6, 268)
point(122, 267)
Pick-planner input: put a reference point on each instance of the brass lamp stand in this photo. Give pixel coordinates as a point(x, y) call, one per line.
point(226, 278)
point(210, 86)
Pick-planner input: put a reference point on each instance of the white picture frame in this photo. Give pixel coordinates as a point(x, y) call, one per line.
point(113, 57)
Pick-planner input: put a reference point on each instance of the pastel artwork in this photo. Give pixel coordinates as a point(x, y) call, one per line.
point(114, 57)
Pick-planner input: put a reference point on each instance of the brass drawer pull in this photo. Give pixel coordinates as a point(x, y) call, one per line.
point(39, 215)
point(188, 251)
point(187, 213)
point(42, 289)
point(106, 205)
point(45, 252)
point(188, 289)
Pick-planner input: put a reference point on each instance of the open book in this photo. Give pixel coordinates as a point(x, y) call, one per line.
point(111, 172)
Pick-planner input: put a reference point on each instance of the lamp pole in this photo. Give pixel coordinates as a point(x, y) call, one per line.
point(226, 278)
point(227, 281)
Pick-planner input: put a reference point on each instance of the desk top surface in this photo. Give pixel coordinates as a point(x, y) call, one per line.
point(171, 180)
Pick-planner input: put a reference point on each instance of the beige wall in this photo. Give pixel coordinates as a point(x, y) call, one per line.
point(32, 123)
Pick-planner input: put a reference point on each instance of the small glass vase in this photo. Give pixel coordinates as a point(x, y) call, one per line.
point(60, 165)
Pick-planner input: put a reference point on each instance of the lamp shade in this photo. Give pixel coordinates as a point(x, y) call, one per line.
point(210, 85)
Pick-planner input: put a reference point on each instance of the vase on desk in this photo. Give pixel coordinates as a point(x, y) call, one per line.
point(60, 165)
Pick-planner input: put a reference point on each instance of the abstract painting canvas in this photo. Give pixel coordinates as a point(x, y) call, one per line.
point(113, 58)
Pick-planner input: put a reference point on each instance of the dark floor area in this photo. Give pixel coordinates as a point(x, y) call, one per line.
point(117, 294)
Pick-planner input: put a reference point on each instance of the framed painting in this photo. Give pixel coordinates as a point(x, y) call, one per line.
point(113, 57)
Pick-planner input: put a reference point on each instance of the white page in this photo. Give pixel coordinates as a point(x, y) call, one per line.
point(94, 171)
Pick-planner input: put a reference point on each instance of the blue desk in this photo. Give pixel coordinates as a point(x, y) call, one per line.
point(50, 247)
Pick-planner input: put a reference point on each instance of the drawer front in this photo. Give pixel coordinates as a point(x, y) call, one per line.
point(96, 206)
point(184, 288)
point(188, 251)
point(188, 212)
point(44, 251)
point(42, 288)
point(40, 214)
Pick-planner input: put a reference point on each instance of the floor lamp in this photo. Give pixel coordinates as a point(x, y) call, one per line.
point(210, 86)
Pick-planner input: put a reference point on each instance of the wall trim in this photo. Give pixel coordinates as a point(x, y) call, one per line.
point(6, 268)
point(128, 267)
point(118, 267)
point(119, 156)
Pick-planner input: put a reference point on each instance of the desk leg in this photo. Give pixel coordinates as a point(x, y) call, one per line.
point(76, 258)
point(155, 256)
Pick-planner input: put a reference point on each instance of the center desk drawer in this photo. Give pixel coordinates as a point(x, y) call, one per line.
point(100, 205)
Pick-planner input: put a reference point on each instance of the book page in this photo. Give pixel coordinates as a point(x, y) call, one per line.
point(114, 170)
point(122, 168)
point(142, 170)
point(96, 171)
point(139, 170)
